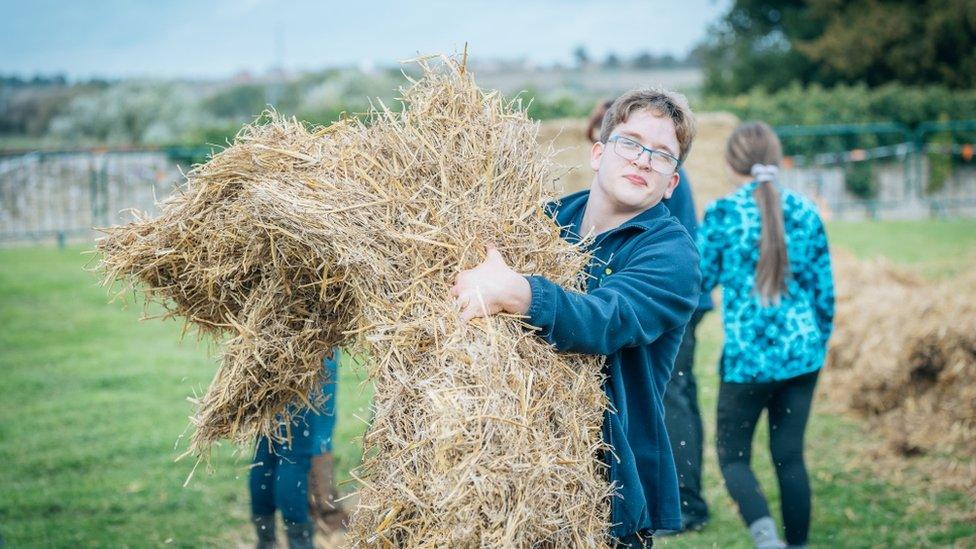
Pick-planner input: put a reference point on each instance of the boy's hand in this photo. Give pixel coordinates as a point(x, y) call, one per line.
point(490, 288)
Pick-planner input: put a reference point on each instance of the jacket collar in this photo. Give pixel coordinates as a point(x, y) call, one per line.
point(568, 214)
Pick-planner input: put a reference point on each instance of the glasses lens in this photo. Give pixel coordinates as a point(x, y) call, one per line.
point(663, 163)
point(631, 150)
point(626, 148)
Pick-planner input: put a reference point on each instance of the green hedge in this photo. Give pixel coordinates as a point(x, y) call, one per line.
point(845, 104)
point(814, 104)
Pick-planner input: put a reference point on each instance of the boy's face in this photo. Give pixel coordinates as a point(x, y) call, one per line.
point(632, 185)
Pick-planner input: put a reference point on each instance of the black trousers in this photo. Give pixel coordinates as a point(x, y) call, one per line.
point(682, 417)
point(788, 404)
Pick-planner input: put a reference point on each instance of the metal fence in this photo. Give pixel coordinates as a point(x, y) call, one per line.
point(882, 170)
point(66, 194)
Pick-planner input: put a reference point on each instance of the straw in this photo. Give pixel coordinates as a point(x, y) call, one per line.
point(296, 239)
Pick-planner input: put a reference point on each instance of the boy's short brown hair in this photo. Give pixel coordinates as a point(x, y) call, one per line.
point(661, 102)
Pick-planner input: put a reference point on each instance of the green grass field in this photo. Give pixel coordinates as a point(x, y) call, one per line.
point(94, 405)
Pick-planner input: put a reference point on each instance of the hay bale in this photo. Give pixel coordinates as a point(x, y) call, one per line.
point(706, 161)
point(904, 356)
point(297, 239)
point(567, 136)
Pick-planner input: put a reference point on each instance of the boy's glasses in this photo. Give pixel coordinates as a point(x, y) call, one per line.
point(629, 149)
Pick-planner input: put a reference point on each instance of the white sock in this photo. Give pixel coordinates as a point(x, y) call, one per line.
point(764, 534)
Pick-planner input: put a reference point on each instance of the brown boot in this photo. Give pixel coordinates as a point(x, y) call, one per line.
point(322, 495)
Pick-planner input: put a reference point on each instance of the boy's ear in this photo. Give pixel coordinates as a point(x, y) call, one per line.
point(672, 184)
point(596, 153)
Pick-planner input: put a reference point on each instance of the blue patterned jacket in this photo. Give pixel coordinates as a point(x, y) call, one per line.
point(777, 342)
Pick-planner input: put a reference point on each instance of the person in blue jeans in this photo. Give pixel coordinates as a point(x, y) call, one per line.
point(280, 473)
point(767, 247)
point(643, 286)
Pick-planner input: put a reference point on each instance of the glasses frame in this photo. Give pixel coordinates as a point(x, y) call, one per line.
point(650, 153)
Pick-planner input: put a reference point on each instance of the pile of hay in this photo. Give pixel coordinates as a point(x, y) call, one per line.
point(295, 239)
point(903, 355)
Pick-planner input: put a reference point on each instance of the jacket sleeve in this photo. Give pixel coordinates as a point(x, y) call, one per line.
point(819, 279)
point(710, 246)
point(654, 292)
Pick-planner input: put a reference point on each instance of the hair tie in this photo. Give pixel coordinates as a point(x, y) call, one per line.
point(764, 172)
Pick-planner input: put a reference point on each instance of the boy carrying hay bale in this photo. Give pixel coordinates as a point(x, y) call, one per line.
point(643, 287)
point(295, 240)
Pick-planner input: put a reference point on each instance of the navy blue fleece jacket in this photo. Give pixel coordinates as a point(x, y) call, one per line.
point(645, 285)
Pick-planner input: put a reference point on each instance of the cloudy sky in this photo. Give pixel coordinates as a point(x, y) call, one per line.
point(113, 38)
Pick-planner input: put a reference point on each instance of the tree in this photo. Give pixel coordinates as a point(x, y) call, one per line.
point(751, 46)
point(644, 60)
point(909, 42)
point(771, 43)
point(238, 101)
point(581, 56)
point(131, 113)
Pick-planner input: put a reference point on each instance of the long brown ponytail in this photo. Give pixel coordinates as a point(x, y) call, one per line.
point(751, 149)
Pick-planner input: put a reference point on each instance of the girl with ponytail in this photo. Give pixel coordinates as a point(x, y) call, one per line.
point(767, 248)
